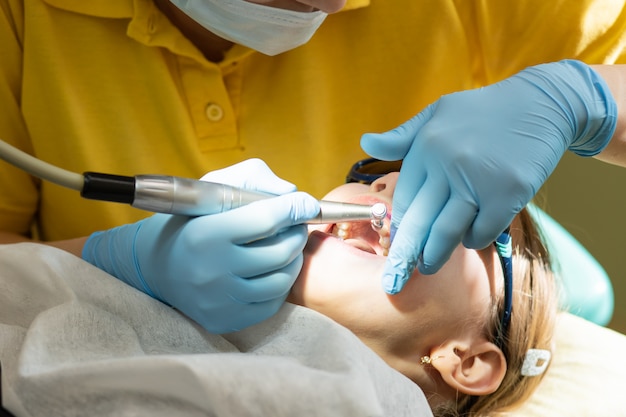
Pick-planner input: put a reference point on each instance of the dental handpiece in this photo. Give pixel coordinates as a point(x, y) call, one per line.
point(174, 195)
point(185, 196)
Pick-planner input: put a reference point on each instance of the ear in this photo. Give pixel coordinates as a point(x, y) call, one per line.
point(475, 369)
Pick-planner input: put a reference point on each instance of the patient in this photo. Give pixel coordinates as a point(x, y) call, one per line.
point(441, 330)
point(73, 338)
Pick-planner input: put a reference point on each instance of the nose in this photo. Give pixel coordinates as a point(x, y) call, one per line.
point(385, 185)
point(327, 6)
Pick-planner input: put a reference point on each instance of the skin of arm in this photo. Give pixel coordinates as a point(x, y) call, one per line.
point(73, 246)
point(615, 77)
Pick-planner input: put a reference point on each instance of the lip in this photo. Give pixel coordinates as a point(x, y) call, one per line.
point(317, 238)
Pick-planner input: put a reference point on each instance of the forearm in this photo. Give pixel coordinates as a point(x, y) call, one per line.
point(73, 246)
point(615, 77)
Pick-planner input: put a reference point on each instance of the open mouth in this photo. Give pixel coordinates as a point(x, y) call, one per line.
point(363, 236)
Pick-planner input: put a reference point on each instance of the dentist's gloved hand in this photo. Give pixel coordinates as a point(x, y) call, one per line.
point(474, 159)
point(226, 271)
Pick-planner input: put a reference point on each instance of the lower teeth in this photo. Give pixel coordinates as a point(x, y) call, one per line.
point(342, 231)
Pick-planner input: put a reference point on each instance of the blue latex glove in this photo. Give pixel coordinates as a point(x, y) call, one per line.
point(474, 159)
point(226, 271)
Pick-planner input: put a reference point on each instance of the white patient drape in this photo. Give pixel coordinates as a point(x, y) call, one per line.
point(75, 341)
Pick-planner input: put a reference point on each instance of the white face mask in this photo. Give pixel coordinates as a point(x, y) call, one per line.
point(269, 30)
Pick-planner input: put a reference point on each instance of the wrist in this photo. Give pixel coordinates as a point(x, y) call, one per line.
point(113, 251)
point(577, 102)
point(597, 106)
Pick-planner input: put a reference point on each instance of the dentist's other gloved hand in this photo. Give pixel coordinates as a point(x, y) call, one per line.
point(474, 159)
point(226, 271)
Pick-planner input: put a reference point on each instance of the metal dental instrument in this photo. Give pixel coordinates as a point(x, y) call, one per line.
point(174, 195)
point(379, 212)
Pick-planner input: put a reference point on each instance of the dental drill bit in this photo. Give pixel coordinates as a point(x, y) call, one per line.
point(379, 212)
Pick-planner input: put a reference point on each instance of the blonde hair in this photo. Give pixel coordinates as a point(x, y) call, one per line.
point(535, 305)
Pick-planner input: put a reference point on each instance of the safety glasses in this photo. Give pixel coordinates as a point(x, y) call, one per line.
point(366, 171)
point(369, 170)
point(504, 248)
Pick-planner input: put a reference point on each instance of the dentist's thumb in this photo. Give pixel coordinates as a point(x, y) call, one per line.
point(394, 144)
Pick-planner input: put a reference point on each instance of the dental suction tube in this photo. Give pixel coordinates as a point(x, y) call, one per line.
point(174, 195)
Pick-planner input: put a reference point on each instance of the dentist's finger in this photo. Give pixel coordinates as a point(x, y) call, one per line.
point(412, 234)
point(252, 174)
point(446, 233)
point(394, 144)
point(268, 286)
point(489, 223)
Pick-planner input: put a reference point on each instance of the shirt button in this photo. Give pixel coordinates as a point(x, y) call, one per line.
point(151, 25)
point(214, 112)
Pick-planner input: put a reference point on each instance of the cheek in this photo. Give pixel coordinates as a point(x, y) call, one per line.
point(339, 284)
point(327, 274)
point(458, 292)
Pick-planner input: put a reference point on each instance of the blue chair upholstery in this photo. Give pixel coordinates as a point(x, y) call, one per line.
point(586, 288)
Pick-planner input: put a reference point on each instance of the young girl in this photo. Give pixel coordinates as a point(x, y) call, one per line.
point(441, 331)
point(73, 338)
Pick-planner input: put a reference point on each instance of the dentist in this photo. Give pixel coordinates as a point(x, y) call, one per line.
point(176, 87)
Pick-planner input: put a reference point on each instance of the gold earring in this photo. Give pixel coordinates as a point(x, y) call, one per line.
point(427, 360)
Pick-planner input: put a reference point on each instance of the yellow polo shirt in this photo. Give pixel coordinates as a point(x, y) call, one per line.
point(113, 86)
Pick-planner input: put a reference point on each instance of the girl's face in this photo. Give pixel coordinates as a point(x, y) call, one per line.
point(342, 279)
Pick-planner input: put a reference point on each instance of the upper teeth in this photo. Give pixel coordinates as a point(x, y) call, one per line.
point(343, 230)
